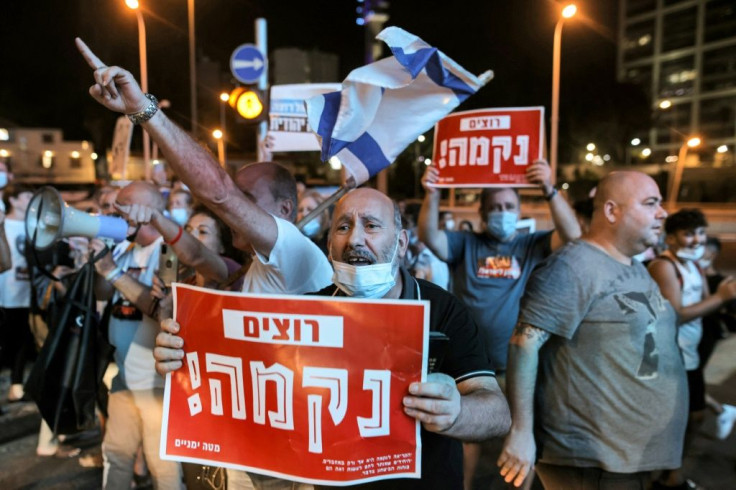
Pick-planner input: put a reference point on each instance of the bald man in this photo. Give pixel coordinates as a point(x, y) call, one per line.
point(135, 405)
point(463, 400)
point(594, 356)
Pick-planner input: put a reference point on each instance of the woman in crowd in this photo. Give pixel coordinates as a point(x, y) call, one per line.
point(316, 229)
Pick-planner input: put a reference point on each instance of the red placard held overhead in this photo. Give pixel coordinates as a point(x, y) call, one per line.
point(488, 147)
point(304, 388)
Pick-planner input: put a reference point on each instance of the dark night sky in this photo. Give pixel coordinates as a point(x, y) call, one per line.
point(44, 81)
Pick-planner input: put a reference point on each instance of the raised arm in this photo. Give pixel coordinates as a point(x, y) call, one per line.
point(190, 251)
point(664, 274)
point(567, 227)
point(116, 89)
point(428, 226)
point(519, 449)
point(472, 410)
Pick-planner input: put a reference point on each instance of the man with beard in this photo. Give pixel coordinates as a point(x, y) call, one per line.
point(463, 400)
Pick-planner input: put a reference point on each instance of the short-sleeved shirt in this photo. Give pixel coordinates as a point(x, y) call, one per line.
point(295, 265)
point(611, 390)
point(442, 457)
point(489, 276)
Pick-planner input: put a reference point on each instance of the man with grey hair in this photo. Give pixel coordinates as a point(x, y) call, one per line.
point(463, 400)
point(594, 369)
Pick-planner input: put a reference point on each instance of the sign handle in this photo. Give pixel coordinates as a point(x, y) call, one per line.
point(322, 206)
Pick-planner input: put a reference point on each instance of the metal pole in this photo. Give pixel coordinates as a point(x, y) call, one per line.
point(224, 134)
point(554, 122)
point(221, 150)
point(322, 206)
point(192, 69)
point(144, 87)
point(674, 189)
point(262, 45)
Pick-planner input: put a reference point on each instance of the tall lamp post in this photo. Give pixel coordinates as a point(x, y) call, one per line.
point(567, 12)
point(220, 137)
point(135, 6)
point(224, 98)
point(192, 69)
point(674, 189)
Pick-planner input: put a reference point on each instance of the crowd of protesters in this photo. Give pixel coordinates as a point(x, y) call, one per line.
point(600, 356)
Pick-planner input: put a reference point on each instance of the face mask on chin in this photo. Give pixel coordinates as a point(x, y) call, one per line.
point(366, 281)
point(694, 253)
point(502, 224)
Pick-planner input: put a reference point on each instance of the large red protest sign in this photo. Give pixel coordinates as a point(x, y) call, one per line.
point(297, 387)
point(488, 147)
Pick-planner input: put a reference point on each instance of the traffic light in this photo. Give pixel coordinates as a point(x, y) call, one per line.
point(250, 103)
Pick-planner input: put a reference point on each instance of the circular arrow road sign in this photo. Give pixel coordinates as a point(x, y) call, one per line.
point(247, 63)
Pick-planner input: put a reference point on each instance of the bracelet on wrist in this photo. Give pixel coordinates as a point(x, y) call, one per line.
point(551, 194)
point(176, 238)
point(147, 113)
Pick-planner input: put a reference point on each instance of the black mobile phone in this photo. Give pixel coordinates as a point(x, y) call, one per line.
point(438, 345)
point(168, 265)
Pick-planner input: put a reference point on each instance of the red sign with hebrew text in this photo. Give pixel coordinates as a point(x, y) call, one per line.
point(488, 147)
point(304, 388)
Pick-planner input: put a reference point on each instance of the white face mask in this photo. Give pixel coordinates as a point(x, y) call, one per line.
point(695, 253)
point(311, 228)
point(179, 216)
point(502, 224)
point(705, 263)
point(3, 179)
point(366, 281)
point(450, 224)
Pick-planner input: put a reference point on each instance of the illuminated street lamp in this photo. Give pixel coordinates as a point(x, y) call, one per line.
point(665, 104)
point(722, 149)
point(135, 6)
point(567, 13)
point(674, 189)
point(219, 136)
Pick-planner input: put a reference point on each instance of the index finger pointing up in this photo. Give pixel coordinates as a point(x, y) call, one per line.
point(93, 61)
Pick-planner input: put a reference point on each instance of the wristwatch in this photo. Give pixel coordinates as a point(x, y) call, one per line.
point(147, 113)
point(551, 194)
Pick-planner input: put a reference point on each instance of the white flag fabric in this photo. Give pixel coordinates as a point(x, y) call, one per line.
point(385, 105)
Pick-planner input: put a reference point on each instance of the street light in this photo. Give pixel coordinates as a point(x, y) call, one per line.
point(674, 189)
point(192, 69)
point(135, 7)
point(218, 135)
point(567, 13)
point(224, 98)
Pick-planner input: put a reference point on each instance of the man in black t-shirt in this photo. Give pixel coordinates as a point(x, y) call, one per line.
point(461, 402)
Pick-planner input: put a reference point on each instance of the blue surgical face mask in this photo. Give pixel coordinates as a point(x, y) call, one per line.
point(366, 281)
point(180, 216)
point(502, 224)
point(3, 179)
point(311, 228)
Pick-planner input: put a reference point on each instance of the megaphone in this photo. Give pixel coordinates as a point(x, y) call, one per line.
point(49, 218)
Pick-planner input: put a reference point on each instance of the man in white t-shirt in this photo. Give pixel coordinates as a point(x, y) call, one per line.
point(16, 341)
point(259, 205)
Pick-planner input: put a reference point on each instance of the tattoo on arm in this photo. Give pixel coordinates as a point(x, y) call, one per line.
point(531, 333)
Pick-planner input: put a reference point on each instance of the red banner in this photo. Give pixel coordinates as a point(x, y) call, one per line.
point(488, 147)
point(297, 387)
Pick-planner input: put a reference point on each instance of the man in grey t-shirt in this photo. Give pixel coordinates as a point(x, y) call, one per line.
point(611, 391)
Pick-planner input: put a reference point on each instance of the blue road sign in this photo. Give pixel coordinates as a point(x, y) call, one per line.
point(247, 63)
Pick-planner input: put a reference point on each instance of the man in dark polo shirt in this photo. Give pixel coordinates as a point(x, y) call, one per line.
point(461, 402)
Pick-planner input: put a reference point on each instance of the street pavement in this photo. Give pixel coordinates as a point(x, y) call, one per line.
point(710, 463)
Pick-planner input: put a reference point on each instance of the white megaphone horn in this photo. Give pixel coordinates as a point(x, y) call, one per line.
point(49, 218)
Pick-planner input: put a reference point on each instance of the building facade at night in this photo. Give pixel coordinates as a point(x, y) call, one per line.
point(683, 54)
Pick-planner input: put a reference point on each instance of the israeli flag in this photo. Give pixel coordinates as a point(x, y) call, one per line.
point(384, 106)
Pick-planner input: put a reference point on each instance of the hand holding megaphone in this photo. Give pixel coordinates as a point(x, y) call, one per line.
point(104, 264)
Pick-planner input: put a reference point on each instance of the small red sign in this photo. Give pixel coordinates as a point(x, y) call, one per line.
point(297, 387)
point(488, 147)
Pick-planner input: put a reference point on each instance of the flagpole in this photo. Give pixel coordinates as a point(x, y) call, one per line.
point(322, 206)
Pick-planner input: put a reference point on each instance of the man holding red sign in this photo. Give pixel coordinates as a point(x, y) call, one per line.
point(490, 269)
point(463, 401)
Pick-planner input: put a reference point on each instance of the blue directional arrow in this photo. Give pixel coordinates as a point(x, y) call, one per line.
point(247, 63)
